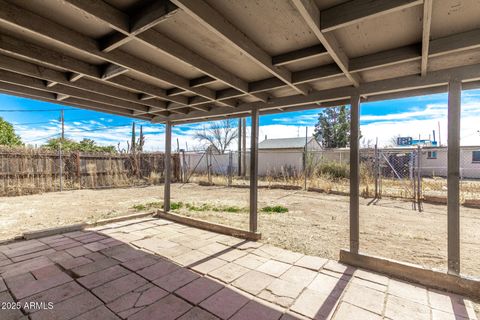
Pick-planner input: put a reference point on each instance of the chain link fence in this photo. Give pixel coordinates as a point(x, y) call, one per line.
point(417, 174)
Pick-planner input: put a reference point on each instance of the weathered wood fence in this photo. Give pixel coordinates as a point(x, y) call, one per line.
point(29, 171)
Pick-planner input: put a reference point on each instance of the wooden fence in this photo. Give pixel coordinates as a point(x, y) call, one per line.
point(29, 171)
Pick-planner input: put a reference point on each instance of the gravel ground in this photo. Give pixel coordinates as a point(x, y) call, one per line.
point(315, 224)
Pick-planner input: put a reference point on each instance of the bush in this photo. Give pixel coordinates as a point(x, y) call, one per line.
point(334, 170)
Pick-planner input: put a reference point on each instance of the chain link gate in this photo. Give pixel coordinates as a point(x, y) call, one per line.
point(398, 173)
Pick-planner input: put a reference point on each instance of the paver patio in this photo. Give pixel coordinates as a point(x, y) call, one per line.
point(154, 269)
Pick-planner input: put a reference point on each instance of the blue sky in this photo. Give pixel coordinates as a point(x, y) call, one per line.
point(383, 120)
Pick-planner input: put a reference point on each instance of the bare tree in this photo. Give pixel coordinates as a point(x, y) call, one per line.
point(218, 135)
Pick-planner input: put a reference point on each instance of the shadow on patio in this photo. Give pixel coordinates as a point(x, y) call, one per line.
point(155, 269)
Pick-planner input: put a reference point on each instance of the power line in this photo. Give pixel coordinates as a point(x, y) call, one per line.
point(30, 123)
point(47, 137)
point(39, 110)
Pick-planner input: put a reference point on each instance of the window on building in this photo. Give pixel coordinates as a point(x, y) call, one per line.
point(432, 155)
point(475, 156)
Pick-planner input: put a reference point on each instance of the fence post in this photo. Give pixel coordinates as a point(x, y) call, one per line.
point(209, 163)
point(77, 163)
point(230, 168)
point(419, 179)
point(182, 166)
point(61, 166)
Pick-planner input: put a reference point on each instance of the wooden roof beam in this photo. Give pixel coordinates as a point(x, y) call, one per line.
point(299, 55)
point(214, 21)
point(29, 93)
point(390, 87)
point(40, 55)
point(112, 70)
point(160, 42)
point(147, 18)
point(151, 15)
point(427, 21)
point(311, 14)
point(355, 11)
point(41, 27)
point(61, 97)
point(60, 89)
point(58, 77)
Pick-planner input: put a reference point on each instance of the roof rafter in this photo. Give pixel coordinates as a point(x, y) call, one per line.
point(311, 14)
point(382, 87)
point(75, 102)
point(43, 56)
point(355, 11)
point(299, 55)
point(214, 21)
point(53, 76)
point(158, 41)
point(47, 29)
point(15, 78)
point(427, 21)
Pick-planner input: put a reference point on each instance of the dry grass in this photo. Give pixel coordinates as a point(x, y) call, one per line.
point(394, 188)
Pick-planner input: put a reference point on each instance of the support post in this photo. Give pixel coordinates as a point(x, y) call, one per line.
point(453, 184)
point(239, 159)
point(60, 165)
point(354, 173)
point(244, 147)
point(376, 169)
point(254, 171)
point(305, 153)
point(167, 166)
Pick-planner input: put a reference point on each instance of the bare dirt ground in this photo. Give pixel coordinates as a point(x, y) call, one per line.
point(315, 224)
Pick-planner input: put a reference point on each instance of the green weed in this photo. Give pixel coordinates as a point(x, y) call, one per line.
point(274, 209)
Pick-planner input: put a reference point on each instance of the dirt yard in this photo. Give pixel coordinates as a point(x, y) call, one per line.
point(315, 223)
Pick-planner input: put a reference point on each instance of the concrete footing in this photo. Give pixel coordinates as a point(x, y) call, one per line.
point(414, 273)
point(209, 226)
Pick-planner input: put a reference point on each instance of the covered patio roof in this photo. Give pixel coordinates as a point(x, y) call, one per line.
point(196, 60)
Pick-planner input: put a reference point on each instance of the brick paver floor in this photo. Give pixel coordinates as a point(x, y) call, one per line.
point(156, 269)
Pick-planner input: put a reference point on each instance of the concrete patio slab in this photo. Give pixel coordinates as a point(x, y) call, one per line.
point(105, 273)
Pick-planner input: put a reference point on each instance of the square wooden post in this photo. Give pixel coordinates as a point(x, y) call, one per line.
point(254, 171)
point(453, 184)
point(354, 173)
point(167, 166)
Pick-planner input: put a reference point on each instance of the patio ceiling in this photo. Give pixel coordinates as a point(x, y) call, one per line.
point(195, 60)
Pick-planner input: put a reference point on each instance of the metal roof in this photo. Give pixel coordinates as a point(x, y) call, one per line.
point(195, 60)
point(285, 143)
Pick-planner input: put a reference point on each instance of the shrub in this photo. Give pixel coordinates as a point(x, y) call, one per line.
point(334, 170)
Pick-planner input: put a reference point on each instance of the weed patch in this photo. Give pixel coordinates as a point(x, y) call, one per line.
point(274, 209)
